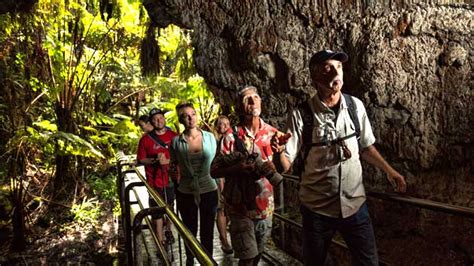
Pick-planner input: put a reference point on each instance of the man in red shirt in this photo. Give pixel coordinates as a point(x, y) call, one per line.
point(153, 152)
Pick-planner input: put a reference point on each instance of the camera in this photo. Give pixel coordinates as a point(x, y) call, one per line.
point(260, 168)
point(269, 172)
point(252, 157)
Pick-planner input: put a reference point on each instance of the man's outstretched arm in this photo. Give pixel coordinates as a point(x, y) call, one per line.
point(372, 156)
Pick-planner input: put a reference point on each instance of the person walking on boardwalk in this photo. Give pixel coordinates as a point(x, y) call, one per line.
point(250, 175)
point(193, 151)
point(330, 133)
point(225, 132)
point(153, 152)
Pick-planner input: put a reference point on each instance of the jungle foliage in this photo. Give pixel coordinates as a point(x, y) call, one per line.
point(74, 77)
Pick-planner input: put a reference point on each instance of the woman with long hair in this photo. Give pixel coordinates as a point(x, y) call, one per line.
point(193, 151)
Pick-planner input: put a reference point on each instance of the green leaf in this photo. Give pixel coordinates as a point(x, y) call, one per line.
point(46, 125)
point(74, 145)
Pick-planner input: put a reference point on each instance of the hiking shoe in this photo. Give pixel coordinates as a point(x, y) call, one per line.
point(169, 237)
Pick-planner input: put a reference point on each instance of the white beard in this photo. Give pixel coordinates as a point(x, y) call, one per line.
point(332, 83)
point(256, 112)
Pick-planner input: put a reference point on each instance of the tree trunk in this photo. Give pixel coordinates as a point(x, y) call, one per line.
point(16, 198)
point(64, 179)
point(15, 119)
point(18, 222)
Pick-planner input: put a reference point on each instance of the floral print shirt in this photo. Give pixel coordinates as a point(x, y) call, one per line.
point(259, 143)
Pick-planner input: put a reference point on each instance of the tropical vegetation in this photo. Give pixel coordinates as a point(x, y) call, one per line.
point(74, 77)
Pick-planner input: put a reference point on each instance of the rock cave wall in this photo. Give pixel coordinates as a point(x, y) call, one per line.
point(410, 63)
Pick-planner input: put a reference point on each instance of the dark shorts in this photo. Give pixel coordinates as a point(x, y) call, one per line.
point(170, 197)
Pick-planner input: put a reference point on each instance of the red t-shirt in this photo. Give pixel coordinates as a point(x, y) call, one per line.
point(156, 175)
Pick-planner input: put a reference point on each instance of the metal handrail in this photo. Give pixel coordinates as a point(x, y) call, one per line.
point(422, 203)
point(124, 197)
point(137, 230)
point(300, 226)
point(127, 220)
point(191, 242)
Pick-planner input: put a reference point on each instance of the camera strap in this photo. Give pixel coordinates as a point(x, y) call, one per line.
point(161, 143)
point(157, 140)
point(239, 143)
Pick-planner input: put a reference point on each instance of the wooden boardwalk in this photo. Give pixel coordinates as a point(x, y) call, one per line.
point(148, 252)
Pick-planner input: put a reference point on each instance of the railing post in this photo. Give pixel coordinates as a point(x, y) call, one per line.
point(127, 220)
point(282, 208)
point(198, 251)
point(137, 229)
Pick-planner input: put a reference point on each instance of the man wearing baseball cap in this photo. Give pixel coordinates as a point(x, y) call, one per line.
point(331, 132)
point(153, 152)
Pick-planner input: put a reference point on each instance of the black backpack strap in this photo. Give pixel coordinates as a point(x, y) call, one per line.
point(308, 124)
point(352, 108)
point(157, 140)
point(307, 134)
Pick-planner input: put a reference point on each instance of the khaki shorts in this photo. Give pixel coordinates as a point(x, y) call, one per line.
point(248, 236)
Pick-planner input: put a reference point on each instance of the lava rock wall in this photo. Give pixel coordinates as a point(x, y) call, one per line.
point(410, 63)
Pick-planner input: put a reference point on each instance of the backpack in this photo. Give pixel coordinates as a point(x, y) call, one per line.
point(308, 124)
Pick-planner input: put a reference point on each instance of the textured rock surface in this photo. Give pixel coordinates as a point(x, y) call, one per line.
point(16, 6)
point(411, 64)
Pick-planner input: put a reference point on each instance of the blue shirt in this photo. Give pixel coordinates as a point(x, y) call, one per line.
point(192, 181)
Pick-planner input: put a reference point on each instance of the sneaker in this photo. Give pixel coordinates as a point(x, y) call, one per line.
point(169, 236)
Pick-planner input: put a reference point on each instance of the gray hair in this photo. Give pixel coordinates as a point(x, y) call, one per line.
point(246, 88)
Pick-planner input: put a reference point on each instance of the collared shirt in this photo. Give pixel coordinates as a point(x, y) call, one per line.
point(260, 143)
point(226, 142)
point(194, 182)
point(156, 175)
point(331, 185)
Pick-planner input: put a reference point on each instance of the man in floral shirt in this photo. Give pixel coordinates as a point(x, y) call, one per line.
point(248, 193)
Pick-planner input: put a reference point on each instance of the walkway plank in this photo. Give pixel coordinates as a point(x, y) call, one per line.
point(150, 257)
